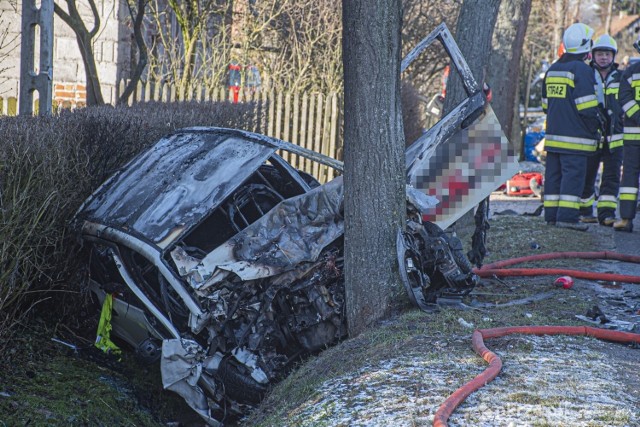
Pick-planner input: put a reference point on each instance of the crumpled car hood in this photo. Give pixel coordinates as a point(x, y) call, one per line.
point(294, 231)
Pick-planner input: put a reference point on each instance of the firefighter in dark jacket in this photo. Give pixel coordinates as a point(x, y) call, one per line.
point(573, 128)
point(610, 153)
point(630, 102)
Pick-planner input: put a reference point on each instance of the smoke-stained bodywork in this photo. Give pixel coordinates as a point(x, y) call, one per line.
point(226, 263)
point(231, 295)
point(460, 159)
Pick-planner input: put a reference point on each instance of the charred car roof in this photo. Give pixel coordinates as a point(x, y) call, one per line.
point(170, 187)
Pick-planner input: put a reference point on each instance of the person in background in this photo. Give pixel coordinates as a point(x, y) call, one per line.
point(630, 102)
point(573, 128)
point(610, 152)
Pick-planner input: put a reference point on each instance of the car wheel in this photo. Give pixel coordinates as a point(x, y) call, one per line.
point(239, 386)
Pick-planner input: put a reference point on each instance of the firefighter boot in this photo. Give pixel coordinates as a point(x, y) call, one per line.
point(572, 225)
point(623, 225)
point(608, 221)
point(588, 219)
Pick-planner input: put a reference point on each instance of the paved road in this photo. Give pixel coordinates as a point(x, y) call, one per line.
point(629, 243)
point(501, 203)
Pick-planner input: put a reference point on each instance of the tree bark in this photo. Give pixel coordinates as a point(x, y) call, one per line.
point(607, 23)
point(474, 31)
point(85, 44)
point(503, 73)
point(374, 175)
point(559, 25)
point(143, 58)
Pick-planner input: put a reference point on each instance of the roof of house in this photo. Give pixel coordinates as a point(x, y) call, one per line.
point(619, 23)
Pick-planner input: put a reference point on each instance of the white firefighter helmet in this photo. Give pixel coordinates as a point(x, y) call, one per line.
point(577, 38)
point(605, 42)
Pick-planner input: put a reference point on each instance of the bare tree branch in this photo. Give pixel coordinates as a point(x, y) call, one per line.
point(8, 45)
point(184, 56)
point(137, 13)
point(84, 38)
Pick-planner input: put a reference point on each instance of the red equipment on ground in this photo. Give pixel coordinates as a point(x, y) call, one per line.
point(524, 184)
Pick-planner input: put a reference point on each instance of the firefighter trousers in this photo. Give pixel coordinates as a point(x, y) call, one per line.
point(628, 198)
point(563, 185)
point(609, 184)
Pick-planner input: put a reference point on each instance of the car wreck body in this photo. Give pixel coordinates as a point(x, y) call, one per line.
point(238, 272)
point(226, 263)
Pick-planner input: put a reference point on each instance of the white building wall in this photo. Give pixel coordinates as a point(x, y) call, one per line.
point(111, 48)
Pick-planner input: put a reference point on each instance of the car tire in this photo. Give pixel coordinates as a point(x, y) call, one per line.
point(239, 386)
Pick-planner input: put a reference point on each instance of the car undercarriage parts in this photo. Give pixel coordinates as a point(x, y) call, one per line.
point(433, 265)
point(227, 261)
point(263, 325)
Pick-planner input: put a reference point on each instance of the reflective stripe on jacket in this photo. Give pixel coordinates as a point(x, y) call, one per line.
point(569, 99)
point(629, 97)
point(609, 87)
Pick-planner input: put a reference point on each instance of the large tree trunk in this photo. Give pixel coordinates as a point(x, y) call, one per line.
point(607, 22)
point(503, 73)
point(190, 39)
point(374, 176)
point(559, 24)
point(474, 31)
point(94, 90)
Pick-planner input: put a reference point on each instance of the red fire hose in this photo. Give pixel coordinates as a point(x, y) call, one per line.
point(495, 364)
point(495, 269)
point(561, 255)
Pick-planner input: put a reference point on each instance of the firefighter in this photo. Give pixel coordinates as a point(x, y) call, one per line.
point(610, 153)
point(573, 128)
point(630, 102)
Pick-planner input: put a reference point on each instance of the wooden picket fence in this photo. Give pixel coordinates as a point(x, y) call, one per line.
point(8, 106)
point(310, 120)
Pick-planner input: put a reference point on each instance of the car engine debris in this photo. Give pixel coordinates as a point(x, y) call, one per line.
point(226, 263)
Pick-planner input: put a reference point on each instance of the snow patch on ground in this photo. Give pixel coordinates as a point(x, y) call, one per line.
point(545, 381)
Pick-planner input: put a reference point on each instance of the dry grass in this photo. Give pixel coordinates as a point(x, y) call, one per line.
point(399, 374)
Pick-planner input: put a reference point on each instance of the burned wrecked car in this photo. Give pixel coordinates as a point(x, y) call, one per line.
point(226, 262)
point(220, 259)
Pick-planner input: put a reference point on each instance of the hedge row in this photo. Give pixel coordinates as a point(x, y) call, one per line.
point(48, 166)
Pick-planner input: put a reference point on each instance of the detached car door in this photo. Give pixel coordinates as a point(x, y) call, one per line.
point(465, 156)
